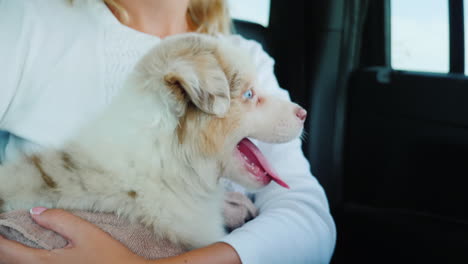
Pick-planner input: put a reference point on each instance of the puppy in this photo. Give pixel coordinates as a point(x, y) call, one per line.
point(157, 152)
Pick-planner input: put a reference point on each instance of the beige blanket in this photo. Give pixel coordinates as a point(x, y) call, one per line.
point(19, 226)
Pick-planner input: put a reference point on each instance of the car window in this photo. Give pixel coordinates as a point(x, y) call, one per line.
point(257, 11)
point(465, 4)
point(420, 35)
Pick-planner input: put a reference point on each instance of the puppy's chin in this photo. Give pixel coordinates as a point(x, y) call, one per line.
point(249, 168)
point(240, 175)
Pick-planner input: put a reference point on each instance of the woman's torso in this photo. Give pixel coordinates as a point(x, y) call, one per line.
point(73, 59)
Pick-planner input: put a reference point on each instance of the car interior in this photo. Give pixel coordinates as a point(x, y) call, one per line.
point(388, 145)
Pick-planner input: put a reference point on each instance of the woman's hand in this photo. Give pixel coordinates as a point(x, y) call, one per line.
point(86, 243)
point(89, 244)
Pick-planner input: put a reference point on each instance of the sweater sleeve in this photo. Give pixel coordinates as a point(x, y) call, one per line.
point(13, 51)
point(295, 225)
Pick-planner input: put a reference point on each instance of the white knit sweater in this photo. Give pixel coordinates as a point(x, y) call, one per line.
point(60, 64)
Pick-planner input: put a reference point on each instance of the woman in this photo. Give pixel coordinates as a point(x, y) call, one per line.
point(63, 62)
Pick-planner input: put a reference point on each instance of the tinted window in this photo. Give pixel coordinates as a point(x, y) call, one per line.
point(420, 35)
point(257, 11)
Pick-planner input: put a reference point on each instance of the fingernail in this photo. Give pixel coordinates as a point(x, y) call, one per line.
point(37, 210)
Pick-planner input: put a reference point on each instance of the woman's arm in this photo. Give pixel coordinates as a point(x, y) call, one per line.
point(217, 253)
point(89, 244)
point(13, 42)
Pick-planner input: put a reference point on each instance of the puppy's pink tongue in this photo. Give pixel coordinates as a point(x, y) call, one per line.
point(257, 164)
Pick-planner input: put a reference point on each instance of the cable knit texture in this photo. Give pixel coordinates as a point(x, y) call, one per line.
point(122, 46)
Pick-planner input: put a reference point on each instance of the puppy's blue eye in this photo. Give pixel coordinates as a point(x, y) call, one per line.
point(248, 94)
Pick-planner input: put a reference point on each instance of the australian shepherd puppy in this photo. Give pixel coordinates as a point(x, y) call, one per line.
point(157, 152)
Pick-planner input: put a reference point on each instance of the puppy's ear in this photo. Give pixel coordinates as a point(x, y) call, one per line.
point(206, 86)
